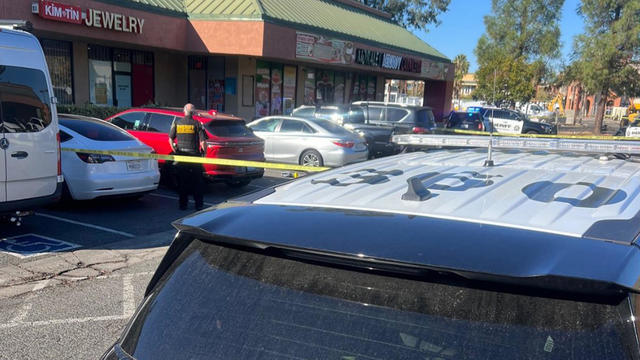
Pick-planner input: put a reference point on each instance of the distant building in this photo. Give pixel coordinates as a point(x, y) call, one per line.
point(468, 85)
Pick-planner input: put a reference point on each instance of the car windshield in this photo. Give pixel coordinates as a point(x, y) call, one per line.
point(332, 127)
point(244, 305)
point(96, 130)
point(228, 128)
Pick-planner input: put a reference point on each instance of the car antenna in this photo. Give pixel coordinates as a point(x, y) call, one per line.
point(489, 161)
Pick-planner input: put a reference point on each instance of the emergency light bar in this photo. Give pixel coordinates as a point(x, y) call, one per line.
point(557, 144)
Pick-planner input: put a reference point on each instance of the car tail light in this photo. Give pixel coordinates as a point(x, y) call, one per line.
point(344, 143)
point(95, 158)
point(59, 154)
point(480, 127)
point(420, 130)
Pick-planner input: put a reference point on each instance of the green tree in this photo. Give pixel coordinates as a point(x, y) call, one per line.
point(520, 39)
point(608, 53)
point(462, 68)
point(411, 13)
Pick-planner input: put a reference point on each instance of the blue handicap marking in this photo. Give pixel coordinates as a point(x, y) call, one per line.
point(32, 245)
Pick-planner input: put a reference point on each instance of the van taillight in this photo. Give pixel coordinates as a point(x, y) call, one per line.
point(480, 126)
point(59, 154)
point(420, 130)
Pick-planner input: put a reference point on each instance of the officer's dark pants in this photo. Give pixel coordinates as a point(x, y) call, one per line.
point(190, 180)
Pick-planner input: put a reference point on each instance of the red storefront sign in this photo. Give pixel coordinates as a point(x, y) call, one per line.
point(60, 12)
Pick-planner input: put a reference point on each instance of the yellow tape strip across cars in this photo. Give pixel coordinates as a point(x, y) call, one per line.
point(586, 137)
point(203, 160)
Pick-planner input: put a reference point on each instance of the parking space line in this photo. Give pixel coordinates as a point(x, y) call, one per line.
point(63, 321)
point(86, 225)
point(175, 198)
point(26, 306)
point(128, 299)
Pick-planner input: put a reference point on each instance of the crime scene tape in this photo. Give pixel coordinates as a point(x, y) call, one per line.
point(203, 160)
point(548, 136)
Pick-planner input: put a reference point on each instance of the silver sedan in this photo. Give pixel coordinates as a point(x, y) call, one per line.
point(311, 142)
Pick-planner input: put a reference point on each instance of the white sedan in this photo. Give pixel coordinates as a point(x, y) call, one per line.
point(88, 176)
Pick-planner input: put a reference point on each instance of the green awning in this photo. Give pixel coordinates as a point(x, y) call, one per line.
point(324, 17)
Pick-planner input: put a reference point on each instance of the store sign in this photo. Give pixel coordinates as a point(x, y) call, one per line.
point(388, 61)
point(322, 49)
point(90, 17)
point(60, 12)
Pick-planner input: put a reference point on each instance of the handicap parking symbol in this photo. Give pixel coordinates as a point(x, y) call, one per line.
point(29, 245)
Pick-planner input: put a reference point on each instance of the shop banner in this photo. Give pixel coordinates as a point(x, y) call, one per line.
point(322, 49)
point(60, 12)
point(388, 61)
point(289, 89)
point(262, 89)
point(434, 70)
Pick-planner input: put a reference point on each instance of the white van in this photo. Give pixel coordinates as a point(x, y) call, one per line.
point(30, 173)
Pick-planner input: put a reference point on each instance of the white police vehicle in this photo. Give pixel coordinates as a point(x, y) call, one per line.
point(511, 122)
point(416, 256)
point(632, 131)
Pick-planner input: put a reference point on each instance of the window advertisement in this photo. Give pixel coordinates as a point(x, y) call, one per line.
point(100, 83)
point(338, 88)
point(324, 87)
point(371, 89)
point(289, 90)
point(123, 90)
point(262, 89)
point(276, 90)
point(323, 49)
point(309, 86)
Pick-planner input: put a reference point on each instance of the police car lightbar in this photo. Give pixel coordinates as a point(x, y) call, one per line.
point(555, 144)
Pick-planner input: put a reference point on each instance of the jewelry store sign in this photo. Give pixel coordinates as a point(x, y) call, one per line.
point(56, 11)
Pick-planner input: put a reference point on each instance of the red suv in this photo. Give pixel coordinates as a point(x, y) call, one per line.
point(228, 138)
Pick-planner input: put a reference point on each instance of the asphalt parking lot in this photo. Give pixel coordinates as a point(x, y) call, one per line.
point(73, 303)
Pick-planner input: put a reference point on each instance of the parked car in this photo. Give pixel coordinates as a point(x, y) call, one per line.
point(89, 176)
point(228, 138)
point(463, 120)
point(311, 142)
point(415, 256)
point(30, 172)
point(513, 122)
point(339, 114)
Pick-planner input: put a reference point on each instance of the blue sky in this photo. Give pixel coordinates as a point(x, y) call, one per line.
point(463, 25)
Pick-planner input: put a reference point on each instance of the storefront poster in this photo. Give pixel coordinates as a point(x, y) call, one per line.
point(338, 89)
point(216, 95)
point(262, 89)
point(324, 87)
point(434, 70)
point(276, 90)
point(123, 90)
point(322, 49)
point(289, 90)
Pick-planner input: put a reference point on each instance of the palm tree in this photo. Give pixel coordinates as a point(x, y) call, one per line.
point(462, 68)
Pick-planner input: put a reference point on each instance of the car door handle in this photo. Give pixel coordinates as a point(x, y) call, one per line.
point(20, 154)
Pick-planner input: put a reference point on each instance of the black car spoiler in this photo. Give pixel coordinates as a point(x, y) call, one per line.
point(415, 245)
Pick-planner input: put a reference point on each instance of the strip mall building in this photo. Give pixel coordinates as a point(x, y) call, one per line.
point(247, 57)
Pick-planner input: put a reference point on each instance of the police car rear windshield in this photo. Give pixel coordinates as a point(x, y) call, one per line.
point(228, 128)
point(246, 305)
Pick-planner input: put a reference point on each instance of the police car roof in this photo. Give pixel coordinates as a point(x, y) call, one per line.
point(565, 194)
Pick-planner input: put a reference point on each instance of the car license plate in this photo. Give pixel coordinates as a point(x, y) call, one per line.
point(134, 165)
point(464, 126)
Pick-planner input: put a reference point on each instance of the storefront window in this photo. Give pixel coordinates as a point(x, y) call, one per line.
point(324, 87)
point(309, 86)
point(59, 61)
point(198, 81)
point(338, 92)
point(276, 89)
point(371, 89)
point(215, 83)
point(120, 77)
point(289, 89)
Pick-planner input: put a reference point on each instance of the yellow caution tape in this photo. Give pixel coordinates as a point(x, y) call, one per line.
point(585, 137)
point(203, 160)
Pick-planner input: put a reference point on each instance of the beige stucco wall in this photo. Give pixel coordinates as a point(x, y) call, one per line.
point(80, 72)
point(170, 78)
point(246, 66)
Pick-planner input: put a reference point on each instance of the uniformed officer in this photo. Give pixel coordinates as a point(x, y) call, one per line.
point(187, 137)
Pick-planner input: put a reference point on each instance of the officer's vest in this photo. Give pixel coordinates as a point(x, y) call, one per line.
point(187, 131)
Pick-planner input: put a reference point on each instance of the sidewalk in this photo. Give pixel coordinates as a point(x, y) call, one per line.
point(82, 264)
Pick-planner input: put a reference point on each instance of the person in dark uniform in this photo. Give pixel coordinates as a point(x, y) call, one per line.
point(187, 137)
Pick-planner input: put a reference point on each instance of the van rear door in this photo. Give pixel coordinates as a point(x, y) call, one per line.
point(28, 117)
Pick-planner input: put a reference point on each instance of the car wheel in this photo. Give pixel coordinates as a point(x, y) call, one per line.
point(238, 183)
point(311, 158)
